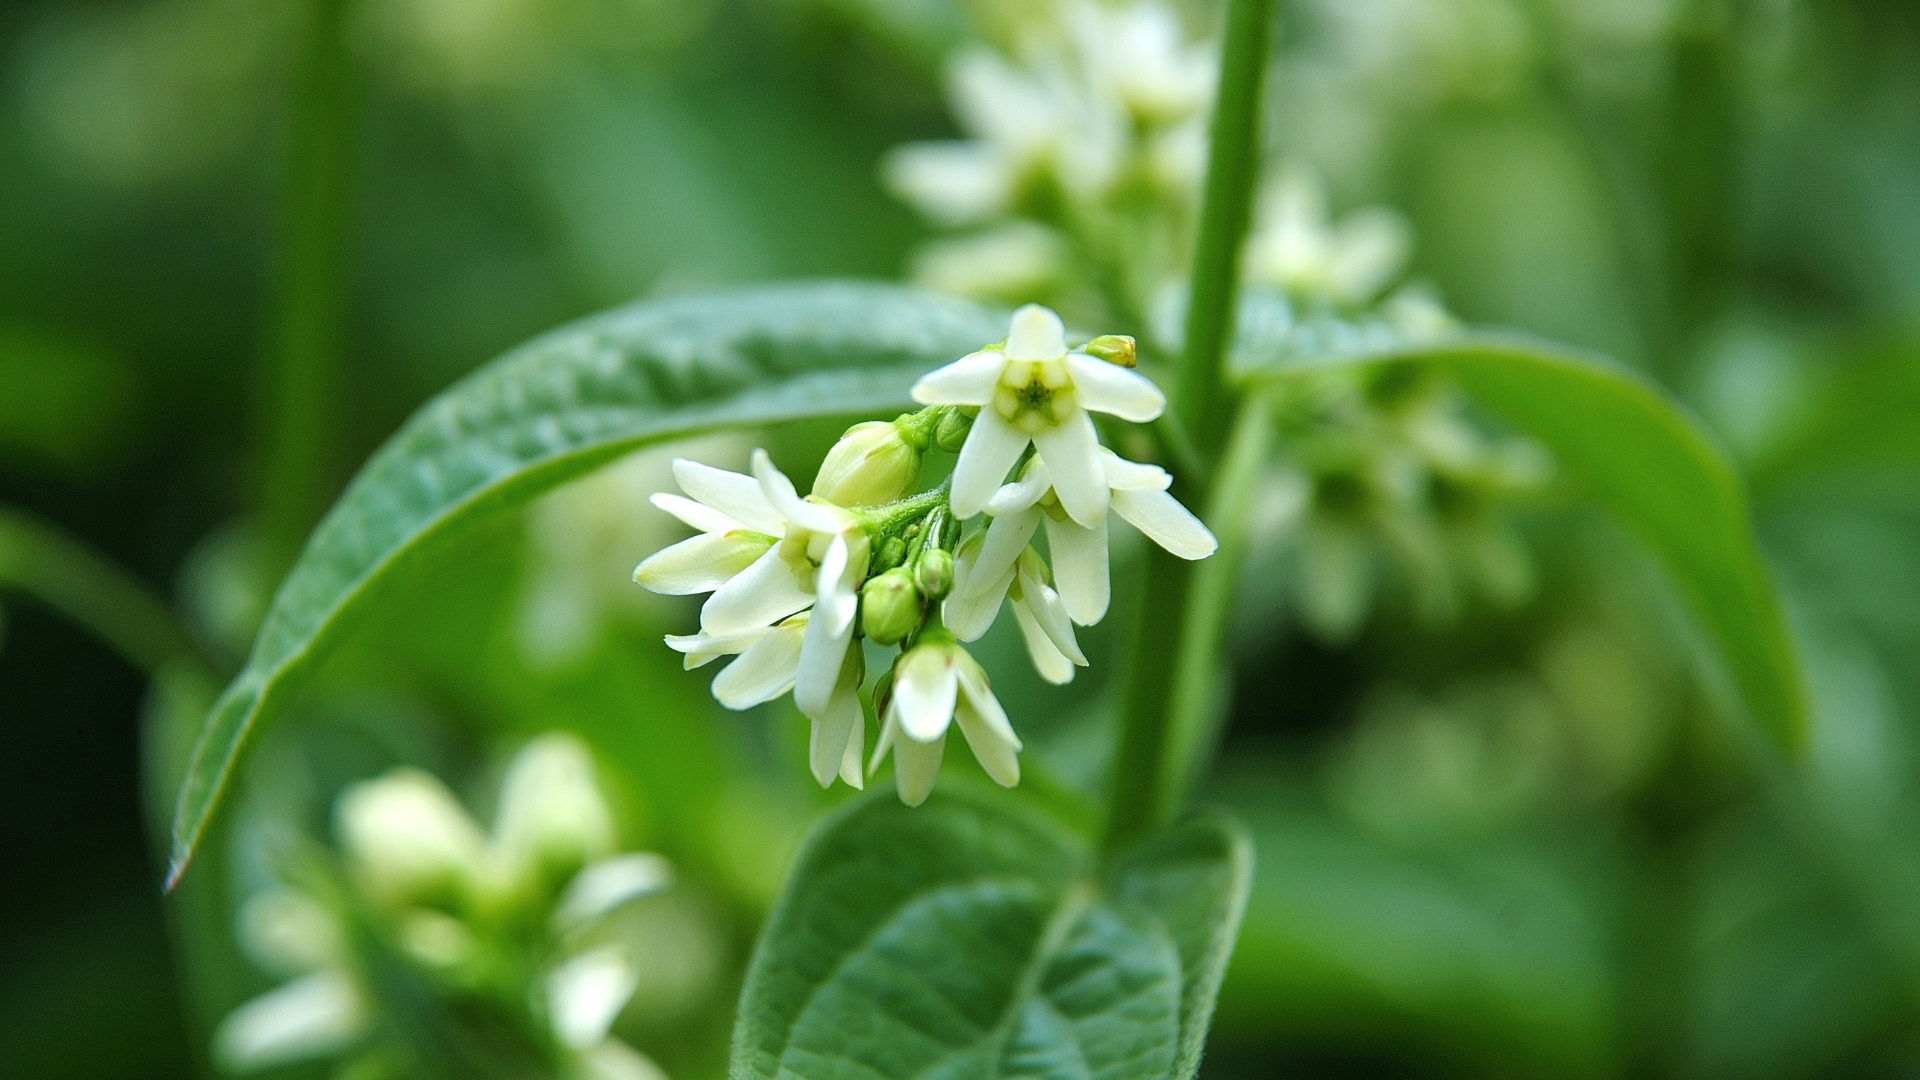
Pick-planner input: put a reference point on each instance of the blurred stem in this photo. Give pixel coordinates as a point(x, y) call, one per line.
point(298, 406)
point(1201, 403)
point(67, 576)
point(1165, 721)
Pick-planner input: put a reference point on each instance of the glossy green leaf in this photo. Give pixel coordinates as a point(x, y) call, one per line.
point(969, 938)
point(552, 410)
point(1636, 451)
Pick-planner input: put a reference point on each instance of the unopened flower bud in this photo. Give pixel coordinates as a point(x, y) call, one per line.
point(890, 607)
point(934, 574)
point(1113, 348)
point(951, 433)
point(887, 554)
point(872, 464)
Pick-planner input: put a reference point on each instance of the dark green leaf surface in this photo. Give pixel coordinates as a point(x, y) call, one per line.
point(968, 938)
point(1640, 456)
point(553, 409)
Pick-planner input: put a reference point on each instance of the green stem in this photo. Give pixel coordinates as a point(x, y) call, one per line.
point(1166, 719)
point(298, 399)
point(1202, 406)
point(62, 573)
point(891, 517)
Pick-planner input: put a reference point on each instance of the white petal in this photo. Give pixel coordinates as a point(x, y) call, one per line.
point(925, 686)
point(1080, 569)
point(1037, 334)
point(608, 883)
point(850, 761)
point(953, 182)
point(978, 697)
point(765, 671)
point(1110, 388)
point(915, 767)
point(699, 564)
point(697, 515)
point(1000, 759)
point(1050, 615)
point(967, 381)
point(1124, 475)
point(833, 736)
point(969, 614)
point(312, 1016)
point(611, 1059)
point(731, 493)
point(1047, 658)
point(820, 659)
point(703, 649)
point(780, 493)
point(760, 595)
point(1022, 493)
point(586, 993)
point(1072, 453)
point(1161, 517)
point(990, 450)
point(1006, 538)
point(835, 598)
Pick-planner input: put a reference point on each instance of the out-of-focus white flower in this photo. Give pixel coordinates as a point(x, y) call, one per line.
point(1297, 246)
point(407, 838)
point(1008, 262)
point(552, 816)
point(609, 883)
point(1140, 53)
point(1032, 391)
point(288, 933)
point(585, 993)
point(1138, 493)
point(935, 684)
point(311, 1017)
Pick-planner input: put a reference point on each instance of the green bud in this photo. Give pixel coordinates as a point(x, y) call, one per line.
point(890, 607)
point(872, 464)
point(1113, 348)
point(889, 553)
point(934, 574)
point(951, 433)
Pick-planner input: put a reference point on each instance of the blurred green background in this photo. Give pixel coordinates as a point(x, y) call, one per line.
point(241, 239)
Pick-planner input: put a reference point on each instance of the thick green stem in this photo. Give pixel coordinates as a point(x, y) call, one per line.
point(299, 392)
point(1201, 404)
point(63, 574)
point(1165, 719)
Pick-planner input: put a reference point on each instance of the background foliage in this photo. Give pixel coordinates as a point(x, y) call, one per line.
point(1499, 840)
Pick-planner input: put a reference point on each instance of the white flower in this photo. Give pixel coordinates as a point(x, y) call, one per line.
point(1033, 391)
point(586, 992)
point(935, 684)
point(1139, 495)
point(407, 838)
point(313, 1016)
point(1141, 55)
point(552, 815)
point(1044, 622)
point(1298, 247)
point(816, 566)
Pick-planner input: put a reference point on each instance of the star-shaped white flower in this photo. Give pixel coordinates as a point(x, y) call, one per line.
point(1139, 495)
point(811, 557)
point(1033, 391)
point(934, 685)
point(1299, 247)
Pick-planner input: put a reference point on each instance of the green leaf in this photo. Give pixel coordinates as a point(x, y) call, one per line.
point(552, 410)
point(1639, 455)
point(969, 938)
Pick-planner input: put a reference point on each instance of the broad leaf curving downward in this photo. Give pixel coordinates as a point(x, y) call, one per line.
point(966, 938)
point(1638, 453)
point(553, 409)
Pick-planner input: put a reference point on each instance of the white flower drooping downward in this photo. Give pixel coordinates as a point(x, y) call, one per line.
point(1033, 391)
point(767, 556)
point(1138, 494)
point(935, 684)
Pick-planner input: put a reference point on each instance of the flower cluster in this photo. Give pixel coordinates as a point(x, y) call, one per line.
point(509, 926)
point(1087, 147)
point(795, 583)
